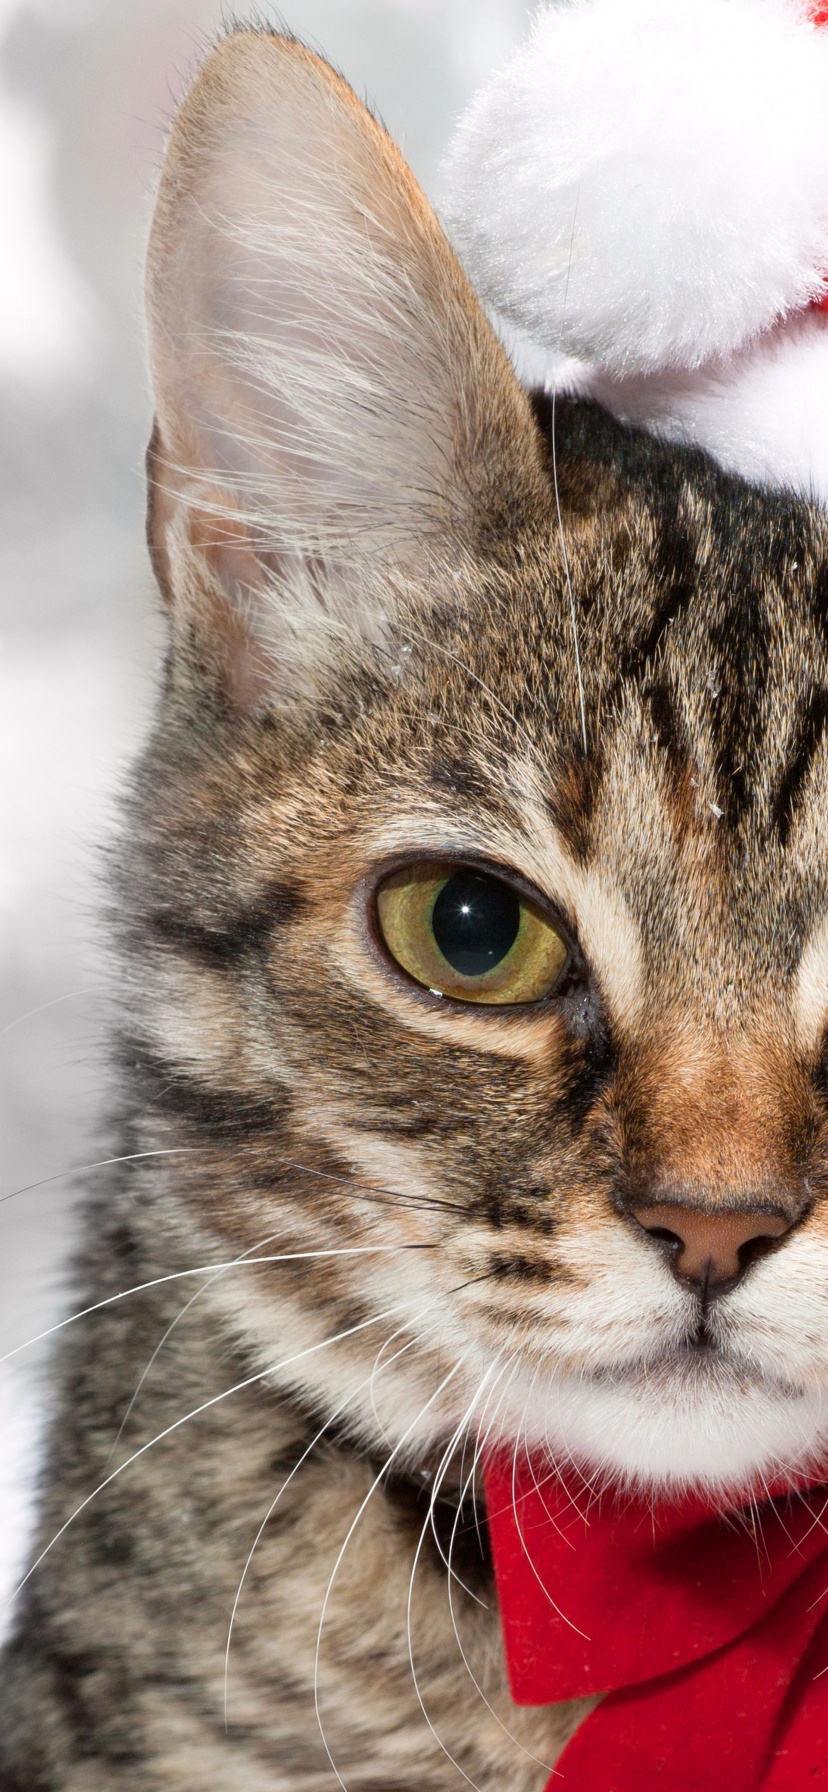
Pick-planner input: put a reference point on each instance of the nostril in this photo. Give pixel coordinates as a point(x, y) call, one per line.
point(663, 1236)
point(711, 1247)
point(763, 1245)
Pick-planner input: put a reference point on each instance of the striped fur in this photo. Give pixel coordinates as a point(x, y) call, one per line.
point(371, 1231)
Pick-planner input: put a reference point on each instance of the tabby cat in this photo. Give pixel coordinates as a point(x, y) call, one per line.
point(475, 914)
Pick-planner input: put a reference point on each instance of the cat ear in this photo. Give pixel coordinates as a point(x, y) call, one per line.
point(336, 422)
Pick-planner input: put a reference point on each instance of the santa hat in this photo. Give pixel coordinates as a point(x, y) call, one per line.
point(643, 193)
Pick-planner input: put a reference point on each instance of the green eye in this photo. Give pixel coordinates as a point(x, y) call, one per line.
point(468, 935)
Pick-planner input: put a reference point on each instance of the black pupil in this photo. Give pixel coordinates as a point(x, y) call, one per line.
point(475, 922)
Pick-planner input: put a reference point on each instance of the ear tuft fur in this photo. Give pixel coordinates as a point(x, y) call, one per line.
point(336, 421)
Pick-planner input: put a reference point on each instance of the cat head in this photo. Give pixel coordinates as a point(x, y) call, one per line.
point(479, 895)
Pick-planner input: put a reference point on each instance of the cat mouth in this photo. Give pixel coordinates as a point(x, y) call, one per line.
point(697, 1363)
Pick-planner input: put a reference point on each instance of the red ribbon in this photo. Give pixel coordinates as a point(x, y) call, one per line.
point(706, 1633)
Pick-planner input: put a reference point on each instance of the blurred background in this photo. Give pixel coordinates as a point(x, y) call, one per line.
point(86, 90)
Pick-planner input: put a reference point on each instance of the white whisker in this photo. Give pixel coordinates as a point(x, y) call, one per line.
point(377, 1482)
point(220, 1271)
point(216, 1400)
point(72, 995)
point(348, 1401)
point(523, 1544)
point(437, 647)
point(490, 1421)
point(210, 1270)
point(103, 1163)
point(429, 1521)
point(561, 531)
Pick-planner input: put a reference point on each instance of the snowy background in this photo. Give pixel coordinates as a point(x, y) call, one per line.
point(86, 88)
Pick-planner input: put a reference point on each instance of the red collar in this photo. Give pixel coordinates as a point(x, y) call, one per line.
point(706, 1632)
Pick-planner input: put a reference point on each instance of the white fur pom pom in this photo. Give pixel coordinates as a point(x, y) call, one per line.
point(645, 186)
point(763, 413)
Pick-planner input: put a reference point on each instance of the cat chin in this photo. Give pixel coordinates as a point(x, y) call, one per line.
point(713, 1429)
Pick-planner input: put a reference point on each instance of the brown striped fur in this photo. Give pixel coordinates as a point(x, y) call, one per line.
point(372, 657)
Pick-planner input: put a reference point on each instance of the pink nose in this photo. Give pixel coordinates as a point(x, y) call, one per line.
point(709, 1248)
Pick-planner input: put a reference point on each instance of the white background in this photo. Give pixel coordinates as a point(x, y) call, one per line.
point(86, 88)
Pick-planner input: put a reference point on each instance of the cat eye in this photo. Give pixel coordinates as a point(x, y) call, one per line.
point(464, 933)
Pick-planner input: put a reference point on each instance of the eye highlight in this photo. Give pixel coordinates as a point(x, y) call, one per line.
point(470, 935)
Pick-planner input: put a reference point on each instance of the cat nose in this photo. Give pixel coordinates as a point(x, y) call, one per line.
point(709, 1249)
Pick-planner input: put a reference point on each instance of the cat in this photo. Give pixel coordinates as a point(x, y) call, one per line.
point(473, 908)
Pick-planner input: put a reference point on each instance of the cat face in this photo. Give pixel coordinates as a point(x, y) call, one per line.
point(478, 893)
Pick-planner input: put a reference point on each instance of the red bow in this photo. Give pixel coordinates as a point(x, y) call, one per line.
point(706, 1633)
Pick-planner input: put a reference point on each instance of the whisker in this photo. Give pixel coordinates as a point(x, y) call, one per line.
point(103, 1163)
point(377, 1482)
point(547, 1766)
point(370, 1192)
point(461, 1430)
point(593, 1485)
point(429, 1521)
point(286, 1483)
point(220, 1271)
point(561, 531)
point(460, 1437)
point(210, 1269)
point(377, 1368)
point(367, 1191)
point(437, 647)
point(522, 1540)
point(72, 995)
point(553, 1473)
point(215, 1400)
